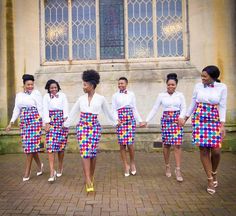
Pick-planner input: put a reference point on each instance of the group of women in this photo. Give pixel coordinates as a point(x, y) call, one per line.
point(208, 107)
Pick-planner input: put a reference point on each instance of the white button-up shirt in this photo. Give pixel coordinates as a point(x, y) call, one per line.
point(55, 103)
point(120, 100)
point(169, 102)
point(97, 104)
point(213, 95)
point(27, 100)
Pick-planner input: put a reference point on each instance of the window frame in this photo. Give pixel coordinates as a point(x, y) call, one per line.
point(185, 31)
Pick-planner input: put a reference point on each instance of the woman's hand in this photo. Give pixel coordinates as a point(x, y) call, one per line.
point(47, 127)
point(143, 124)
point(181, 122)
point(8, 128)
point(119, 123)
point(185, 119)
point(222, 130)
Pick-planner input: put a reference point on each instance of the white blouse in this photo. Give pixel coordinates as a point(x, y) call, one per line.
point(27, 100)
point(212, 95)
point(120, 100)
point(97, 104)
point(58, 102)
point(169, 102)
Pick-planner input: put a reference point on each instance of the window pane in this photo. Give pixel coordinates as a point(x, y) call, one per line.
point(56, 30)
point(169, 28)
point(111, 29)
point(140, 28)
point(83, 29)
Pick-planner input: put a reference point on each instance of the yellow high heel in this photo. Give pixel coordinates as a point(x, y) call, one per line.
point(89, 187)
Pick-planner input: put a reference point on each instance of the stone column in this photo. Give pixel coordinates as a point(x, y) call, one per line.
point(3, 64)
point(225, 49)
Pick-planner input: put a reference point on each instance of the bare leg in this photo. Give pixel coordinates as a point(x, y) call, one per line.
point(131, 155)
point(60, 161)
point(86, 168)
point(124, 158)
point(177, 150)
point(166, 153)
point(215, 160)
point(206, 162)
point(51, 158)
point(37, 160)
point(92, 167)
point(29, 158)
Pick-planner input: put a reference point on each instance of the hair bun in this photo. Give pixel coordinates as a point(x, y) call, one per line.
point(27, 77)
point(172, 75)
point(91, 76)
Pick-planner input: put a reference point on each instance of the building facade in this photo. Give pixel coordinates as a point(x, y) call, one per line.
point(143, 40)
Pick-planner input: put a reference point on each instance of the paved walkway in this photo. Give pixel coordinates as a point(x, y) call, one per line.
point(147, 193)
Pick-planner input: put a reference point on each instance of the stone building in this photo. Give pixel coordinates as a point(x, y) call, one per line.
point(140, 39)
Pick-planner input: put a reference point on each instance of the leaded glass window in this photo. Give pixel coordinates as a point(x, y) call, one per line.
point(56, 30)
point(140, 28)
point(83, 29)
point(169, 28)
point(79, 30)
point(112, 29)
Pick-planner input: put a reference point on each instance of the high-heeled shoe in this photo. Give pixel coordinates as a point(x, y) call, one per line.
point(127, 172)
point(168, 172)
point(41, 171)
point(59, 174)
point(53, 178)
point(133, 171)
point(210, 190)
point(215, 183)
point(89, 187)
point(178, 174)
point(26, 178)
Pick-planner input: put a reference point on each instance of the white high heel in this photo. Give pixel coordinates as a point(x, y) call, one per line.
point(53, 178)
point(41, 171)
point(127, 172)
point(178, 175)
point(26, 178)
point(215, 183)
point(211, 191)
point(168, 172)
point(59, 174)
point(134, 171)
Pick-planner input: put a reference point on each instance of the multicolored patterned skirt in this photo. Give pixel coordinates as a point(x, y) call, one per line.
point(56, 138)
point(206, 126)
point(30, 129)
point(172, 133)
point(88, 134)
point(126, 131)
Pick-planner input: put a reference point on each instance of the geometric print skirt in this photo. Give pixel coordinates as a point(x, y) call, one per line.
point(206, 126)
point(126, 131)
point(30, 129)
point(88, 134)
point(172, 133)
point(56, 138)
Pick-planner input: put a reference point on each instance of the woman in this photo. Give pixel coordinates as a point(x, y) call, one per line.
point(28, 105)
point(89, 128)
point(174, 108)
point(209, 110)
point(124, 106)
point(55, 112)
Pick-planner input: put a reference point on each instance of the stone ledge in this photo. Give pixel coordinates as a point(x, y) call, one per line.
point(144, 140)
point(107, 129)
